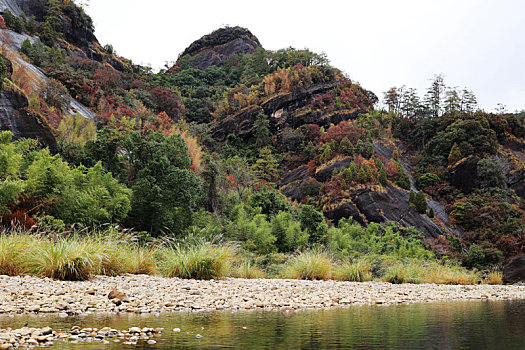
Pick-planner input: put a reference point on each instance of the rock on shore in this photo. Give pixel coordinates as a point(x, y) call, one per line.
point(153, 294)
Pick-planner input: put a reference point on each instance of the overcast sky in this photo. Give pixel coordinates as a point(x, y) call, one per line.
point(478, 44)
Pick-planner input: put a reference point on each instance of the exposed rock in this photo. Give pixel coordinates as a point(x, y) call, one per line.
point(281, 110)
point(346, 210)
point(218, 46)
point(15, 118)
point(464, 174)
point(392, 205)
point(514, 270)
point(116, 294)
point(325, 174)
point(516, 182)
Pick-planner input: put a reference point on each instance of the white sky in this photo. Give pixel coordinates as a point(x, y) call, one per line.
point(479, 44)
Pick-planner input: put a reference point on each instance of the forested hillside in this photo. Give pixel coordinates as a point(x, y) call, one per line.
point(274, 150)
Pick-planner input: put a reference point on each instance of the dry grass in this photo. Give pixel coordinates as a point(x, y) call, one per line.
point(13, 253)
point(494, 277)
point(418, 271)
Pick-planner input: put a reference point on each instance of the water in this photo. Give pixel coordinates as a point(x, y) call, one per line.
point(452, 325)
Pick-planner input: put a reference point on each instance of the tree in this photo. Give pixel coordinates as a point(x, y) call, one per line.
point(434, 96)
point(261, 131)
point(165, 191)
point(420, 203)
point(265, 168)
point(26, 48)
point(3, 72)
point(312, 222)
point(489, 172)
point(454, 155)
point(403, 180)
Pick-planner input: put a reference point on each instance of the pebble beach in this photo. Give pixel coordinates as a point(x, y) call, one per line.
point(152, 294)
point(145, 294)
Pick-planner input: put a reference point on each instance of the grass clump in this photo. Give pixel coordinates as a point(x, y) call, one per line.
point(494, 277)
point(247, 269)
point(312, 264)
point(69, 259)
point(418, 271)
point(358, 271)
point(142, 261)
point(13, 253)
point(199, 261)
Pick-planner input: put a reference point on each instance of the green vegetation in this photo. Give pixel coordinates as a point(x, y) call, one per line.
point(189, 155)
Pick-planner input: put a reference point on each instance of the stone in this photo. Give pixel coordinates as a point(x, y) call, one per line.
point(116, 294)
point(514, 270)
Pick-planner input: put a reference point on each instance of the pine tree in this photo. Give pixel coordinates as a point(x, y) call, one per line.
point(346, 146)
point(420, 203)
point(455, 155)
point(266, 166)
point(431, 213)
point(411, 197)
point(381, 176)
point(403, 180)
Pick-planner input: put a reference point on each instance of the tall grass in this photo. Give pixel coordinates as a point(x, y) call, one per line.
point(417, 271)
point(314, 264)
point(200, 261)
point(247, 269)
point(13, 252)
point(67, 259)
point(359, 270)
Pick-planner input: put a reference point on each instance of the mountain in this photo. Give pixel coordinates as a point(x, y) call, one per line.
point(270, 134)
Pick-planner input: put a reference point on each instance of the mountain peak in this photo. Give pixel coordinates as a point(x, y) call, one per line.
point(218, 46)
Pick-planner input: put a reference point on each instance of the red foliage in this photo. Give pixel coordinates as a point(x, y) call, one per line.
point(2, 23)
point(340, 131)
point(19, 218)
point(108, 78)
point(311, 168)
point(169, 102)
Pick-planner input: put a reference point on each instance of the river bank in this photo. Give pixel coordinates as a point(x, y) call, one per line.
point(153, 294)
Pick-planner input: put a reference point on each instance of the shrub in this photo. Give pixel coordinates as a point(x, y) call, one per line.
point(313, 264)
point(288, 232)
point(200, 261)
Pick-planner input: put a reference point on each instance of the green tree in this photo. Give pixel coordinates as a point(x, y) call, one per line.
point(261, 131)
point(265, 168)
point(454, 155)
point(420, 203)
point(3, 72)
point(403, 180)
point(312, 221)
point(489, 172)
point(165, 191)
point(26, 47)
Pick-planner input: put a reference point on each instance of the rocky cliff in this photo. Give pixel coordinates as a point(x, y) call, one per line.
point(218, 46)
point(15, 117)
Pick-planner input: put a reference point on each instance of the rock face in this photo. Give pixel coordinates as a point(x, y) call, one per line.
point(464, 175)
point(15, 118)
point(514, 271)
point(282, 112)
point(218, 46)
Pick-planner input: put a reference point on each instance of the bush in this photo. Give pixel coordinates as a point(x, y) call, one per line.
point(310, 265)
point(288, 232)
point(55, 94)
point(200, 261)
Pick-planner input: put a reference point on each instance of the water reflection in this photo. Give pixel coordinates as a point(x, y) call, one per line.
point(452, 325)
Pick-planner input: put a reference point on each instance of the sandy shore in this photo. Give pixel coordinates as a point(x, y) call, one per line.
point(149, 294)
